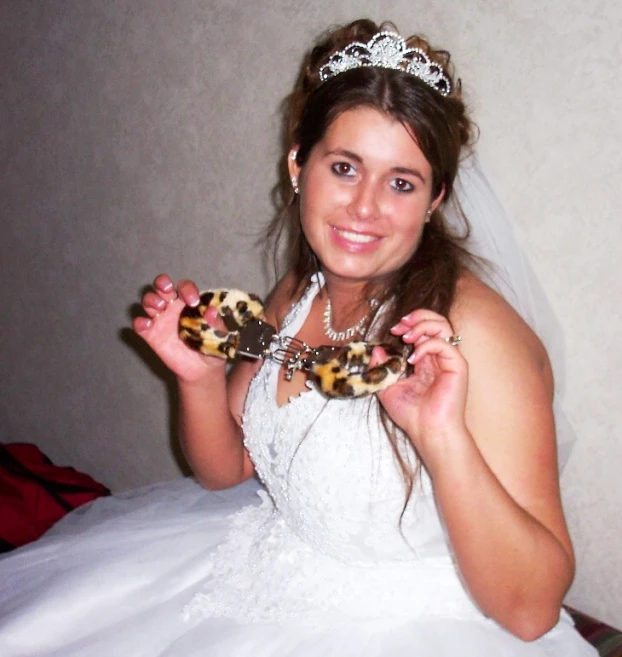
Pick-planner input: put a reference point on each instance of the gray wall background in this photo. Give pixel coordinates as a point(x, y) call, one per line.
point(138, 137)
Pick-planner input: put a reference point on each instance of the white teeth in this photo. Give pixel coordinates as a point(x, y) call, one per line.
point(355, 237)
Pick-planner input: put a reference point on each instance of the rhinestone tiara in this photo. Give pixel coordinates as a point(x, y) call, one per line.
point(387, 50)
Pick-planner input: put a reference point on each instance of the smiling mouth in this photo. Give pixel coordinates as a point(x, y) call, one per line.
point(355, 237)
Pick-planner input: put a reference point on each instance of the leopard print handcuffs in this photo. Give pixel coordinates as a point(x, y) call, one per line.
point(342, 372)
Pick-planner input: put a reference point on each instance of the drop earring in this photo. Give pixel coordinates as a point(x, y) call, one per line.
point(428, 215)
point(292, 156)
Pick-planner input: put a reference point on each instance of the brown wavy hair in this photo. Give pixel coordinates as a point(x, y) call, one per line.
point(442, 131)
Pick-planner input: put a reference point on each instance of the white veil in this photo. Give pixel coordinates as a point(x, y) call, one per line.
point(493, 238)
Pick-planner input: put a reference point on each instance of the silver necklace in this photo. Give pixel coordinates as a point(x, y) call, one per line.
point(340, 336)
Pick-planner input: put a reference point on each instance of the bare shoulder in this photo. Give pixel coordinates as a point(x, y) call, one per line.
point(509, 401)
point(510, 390)
point(495, 336)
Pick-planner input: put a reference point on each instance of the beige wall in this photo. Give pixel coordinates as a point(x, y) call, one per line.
point(141, 136)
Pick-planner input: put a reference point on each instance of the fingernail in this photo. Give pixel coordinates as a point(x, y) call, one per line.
point(168, 286)
point(160, 303)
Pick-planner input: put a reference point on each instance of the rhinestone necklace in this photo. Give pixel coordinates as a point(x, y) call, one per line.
point(340, 336)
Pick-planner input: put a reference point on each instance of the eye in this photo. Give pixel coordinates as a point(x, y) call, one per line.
point(344, 169)
point(402, 185)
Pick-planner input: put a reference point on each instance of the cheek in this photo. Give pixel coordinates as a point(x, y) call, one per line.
point(409, 216)
point(309, 222)
point(410, 232)
point(318, 201)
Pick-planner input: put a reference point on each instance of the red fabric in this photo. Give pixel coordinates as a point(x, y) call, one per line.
point(606, 639)
point(35, 493)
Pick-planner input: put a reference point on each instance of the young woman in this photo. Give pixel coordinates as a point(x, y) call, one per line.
point(422, 520)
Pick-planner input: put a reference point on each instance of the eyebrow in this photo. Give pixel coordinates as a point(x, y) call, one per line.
point(358, 158)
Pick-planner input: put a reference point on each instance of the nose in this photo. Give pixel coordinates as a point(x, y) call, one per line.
point(364, 204)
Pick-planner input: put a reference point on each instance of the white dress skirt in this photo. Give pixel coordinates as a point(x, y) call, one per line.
point(313, 563)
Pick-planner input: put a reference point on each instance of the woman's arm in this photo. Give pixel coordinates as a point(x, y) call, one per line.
point(210, 426)
point(210, 401)
point(486, 434)
point(211, 438)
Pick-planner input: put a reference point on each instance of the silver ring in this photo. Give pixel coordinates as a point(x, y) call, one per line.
point(454, 340)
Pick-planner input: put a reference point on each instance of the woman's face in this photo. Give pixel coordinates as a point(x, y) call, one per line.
point(364, 194)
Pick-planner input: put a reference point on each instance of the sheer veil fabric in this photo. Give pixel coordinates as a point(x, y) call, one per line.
point(493, 237)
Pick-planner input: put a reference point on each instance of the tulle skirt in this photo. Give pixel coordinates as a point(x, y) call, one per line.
point(117, 577)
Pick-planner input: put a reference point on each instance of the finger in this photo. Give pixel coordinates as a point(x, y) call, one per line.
point(212, 317)
point(412, 319)
point(378, 356)
point(142, 324)
point(188, 292)
point(165, 287)
point(154, 304)
point(426, 329)
point(448, 357)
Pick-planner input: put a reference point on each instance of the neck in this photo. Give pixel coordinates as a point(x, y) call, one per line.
point(349, 302)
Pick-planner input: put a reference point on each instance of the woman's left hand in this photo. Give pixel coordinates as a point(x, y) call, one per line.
point(431, 401)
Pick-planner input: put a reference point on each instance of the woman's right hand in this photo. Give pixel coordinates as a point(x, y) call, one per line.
point(159, 329)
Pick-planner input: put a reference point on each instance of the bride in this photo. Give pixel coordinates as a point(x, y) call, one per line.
point(425, 519)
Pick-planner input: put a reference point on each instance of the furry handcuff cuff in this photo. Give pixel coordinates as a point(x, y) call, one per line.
point(342, 372)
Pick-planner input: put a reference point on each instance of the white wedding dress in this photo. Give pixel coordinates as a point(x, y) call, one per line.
point(317, 564)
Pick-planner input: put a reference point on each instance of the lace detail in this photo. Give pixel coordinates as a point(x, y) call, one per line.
point(327, 542)
point(265, 573)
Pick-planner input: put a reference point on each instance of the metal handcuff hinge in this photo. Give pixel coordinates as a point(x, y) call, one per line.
point(260, 340)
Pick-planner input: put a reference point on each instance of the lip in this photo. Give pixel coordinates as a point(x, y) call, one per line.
point(354, 240)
